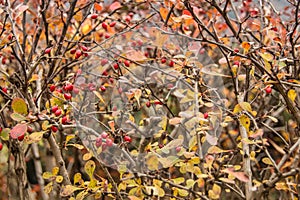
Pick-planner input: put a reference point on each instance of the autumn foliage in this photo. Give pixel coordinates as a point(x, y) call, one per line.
point(149, 99)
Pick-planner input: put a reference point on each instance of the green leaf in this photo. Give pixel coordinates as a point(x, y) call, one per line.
point(19, 106)
point(17, 117)
point(47, 175)
point(4, 135)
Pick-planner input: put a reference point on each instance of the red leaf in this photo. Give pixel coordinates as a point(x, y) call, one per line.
point(18, 130)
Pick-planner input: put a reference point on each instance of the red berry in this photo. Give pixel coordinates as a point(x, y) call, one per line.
point(67, 96)
point(21, 137)
point(268, 90)
point(1, 146)
point(78, 53)
point(160, 145)
point(69, 87)
point(171, 63)
point(54, 109)
point(57, 113)
point(274, 28)
point(94, 16)
point(29, 129)
point(84, 48)
point(178, 149)
point(109, 142)
point(64, 120)
point(112, 24)
point(4, 90)
point(104, 61)
point(104, 135)
point(73, 51)
point(76, 90)
point(48, 50)
point(127, 63)
point(205, 115)
point(102, 88)
point(158, 102)
point(128, 19)
point(163, 60)
point(59, 90)
point(148, 104)
point(236, 50)
point(236, 63)
point(1, 129)
point(3, 60)
point(127, 139)
point(116, 66)
point(107, 36)
point(54, 128)
point(105, 73)
point(52, 88)
point(104, 25)
point(98, 142)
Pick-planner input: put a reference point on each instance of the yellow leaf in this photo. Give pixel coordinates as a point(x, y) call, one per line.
point(152, 162)
point(34, 78)
point(19, 106)
point(99, 96)
point(178, 180)
point(77, 179)
point(292, 95)
point(86, 28)
point(245, 122)
point(89, 168)
point(59, 179)
point(182, 192)
point(48, 188)
point(267, 161)
point(55, 170)
point(47, 175)
point(267, 56)
point(87, 156)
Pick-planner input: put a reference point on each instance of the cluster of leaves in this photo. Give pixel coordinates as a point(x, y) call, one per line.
point(156, 99)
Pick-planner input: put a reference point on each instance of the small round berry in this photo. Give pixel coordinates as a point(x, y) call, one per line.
point(112, 24)
point(4, 90)
point(54, 128)
point(104, 61)
point(268, 90)
point(78, 53)
point(205, 115)
point(21, 137)
point(73, 51)
point(52, 88)
point(148, 104)
point(94, 16)
point(127, 139)
point(57, 113)
point(104, 25)
point(1, 146)
point(178, 149)
point(69, 87)
point(171, 63)
point(104, 135)
point(67, 96)
point(84, 48)
point(163, 60)
point(54, 109)
point(116, 66)
point(102, 88)
point(64, 120)
point(127, 63)
point(109, 142)
point(48, 50)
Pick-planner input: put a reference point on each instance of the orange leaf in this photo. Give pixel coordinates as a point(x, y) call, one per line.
point(246, 46)
point(186, 12)
point(164, 13)
point(97, 7)
point(115, 6)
